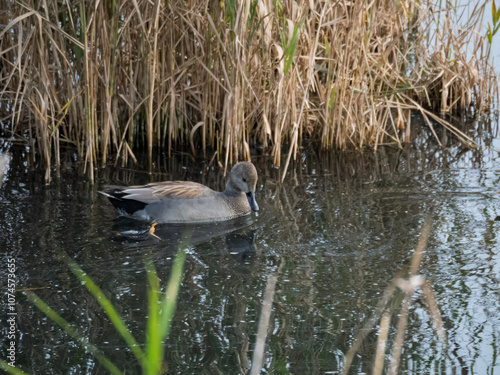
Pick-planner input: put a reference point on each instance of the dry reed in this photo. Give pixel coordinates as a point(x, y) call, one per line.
point(384, 311)
point(115, 77)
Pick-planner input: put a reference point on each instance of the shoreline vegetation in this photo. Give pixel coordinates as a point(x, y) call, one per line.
point(112, 77)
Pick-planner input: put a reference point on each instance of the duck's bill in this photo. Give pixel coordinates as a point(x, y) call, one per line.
point(251, 200)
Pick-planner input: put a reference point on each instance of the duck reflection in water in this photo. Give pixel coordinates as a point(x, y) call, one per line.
point(239, 235)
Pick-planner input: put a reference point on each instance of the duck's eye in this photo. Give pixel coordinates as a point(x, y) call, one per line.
point(244, 179)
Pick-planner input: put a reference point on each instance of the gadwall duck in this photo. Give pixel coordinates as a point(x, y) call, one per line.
point(189, 202)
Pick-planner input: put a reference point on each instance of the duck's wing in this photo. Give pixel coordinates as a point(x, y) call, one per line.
point(180, 189)
point(162, 190)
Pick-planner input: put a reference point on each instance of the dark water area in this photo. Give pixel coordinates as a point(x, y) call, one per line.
point(334, 234)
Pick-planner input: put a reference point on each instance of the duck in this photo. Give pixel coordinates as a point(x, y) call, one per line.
point(188, 201)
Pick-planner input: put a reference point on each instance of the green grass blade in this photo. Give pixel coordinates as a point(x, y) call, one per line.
point(494, 13)
point(11, 370)
point(496, 29)
point(230, 6)
point(73, 332)
point(161, 314)
point(153, 337)
point(291, 48)
point(168, 304)
point(110, 311)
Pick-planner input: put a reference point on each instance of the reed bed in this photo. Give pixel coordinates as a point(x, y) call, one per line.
point(114, 77)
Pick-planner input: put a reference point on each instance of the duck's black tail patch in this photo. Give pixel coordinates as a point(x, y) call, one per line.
point(120, 201)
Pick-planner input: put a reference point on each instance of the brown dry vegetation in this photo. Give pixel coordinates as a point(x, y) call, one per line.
point(111, 77)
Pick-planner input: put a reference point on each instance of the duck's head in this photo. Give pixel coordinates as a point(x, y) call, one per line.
point(243, 177)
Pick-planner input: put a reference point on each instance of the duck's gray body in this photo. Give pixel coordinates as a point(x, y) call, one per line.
point(189, 202)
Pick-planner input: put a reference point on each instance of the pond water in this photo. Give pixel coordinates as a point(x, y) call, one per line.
point(332, 236)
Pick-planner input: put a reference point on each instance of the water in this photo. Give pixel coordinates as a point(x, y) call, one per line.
point(334, 235)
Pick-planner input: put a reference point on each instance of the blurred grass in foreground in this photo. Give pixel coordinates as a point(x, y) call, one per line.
point(161, 308)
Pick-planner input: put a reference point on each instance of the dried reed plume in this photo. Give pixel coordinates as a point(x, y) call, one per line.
point(113, 77)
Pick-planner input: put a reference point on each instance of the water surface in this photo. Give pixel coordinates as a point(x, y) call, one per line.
point(335, 233)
